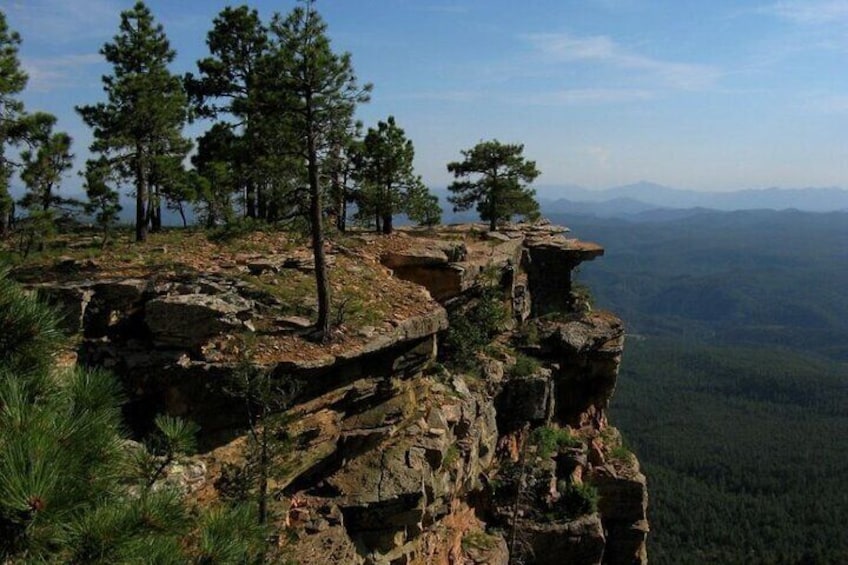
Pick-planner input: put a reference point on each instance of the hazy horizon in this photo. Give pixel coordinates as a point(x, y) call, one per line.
point(707, 96)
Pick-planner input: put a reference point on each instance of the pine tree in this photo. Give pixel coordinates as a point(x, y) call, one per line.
point(422, 206)
point(498, 175)
point(385, 170)
point(227, 86)
point(216, 174)
point(103, 200)
point(58, 431)
point(146, 106)
point(12, 82)
point(340, 170)
point(45, 164)
point(314, 92)
point(68, 491)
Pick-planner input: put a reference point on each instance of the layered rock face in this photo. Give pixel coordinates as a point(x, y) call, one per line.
point(389, 452)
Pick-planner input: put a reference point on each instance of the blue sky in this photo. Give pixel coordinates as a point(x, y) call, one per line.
point(716, 95)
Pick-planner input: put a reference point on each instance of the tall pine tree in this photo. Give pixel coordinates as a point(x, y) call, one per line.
point(12, 81)
point(314, 93)
point(385, 171)
point(146, 107)
point(226, 88)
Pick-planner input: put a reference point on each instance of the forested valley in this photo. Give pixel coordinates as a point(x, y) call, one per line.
point(734, 387)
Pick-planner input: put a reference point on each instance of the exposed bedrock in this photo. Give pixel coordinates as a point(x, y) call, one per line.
point(394, 458)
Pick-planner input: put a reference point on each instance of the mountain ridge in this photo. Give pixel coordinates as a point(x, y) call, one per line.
point(648, 195)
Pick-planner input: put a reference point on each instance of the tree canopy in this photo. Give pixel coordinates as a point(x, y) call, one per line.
point(45, 164)
point(315, 97)
point(388, 183)
point(227, 89)
point(494, 176)
point(146, 107)
point(12, 82)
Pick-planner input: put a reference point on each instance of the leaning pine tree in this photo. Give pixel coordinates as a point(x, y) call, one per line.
point(494, 176)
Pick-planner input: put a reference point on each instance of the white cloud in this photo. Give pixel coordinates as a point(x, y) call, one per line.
point(565, 97)
point(588, 96)
point(54, 73)
point(564, 47)
point(598, 153)
point(63, 21)
point(444, 95)
point(810, 12)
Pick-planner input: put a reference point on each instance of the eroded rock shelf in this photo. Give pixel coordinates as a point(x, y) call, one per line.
point(396, 458)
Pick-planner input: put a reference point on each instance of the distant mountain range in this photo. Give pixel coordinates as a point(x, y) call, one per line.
point(639, 202)
point(645, 199)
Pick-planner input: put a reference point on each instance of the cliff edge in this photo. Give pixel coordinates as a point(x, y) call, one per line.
point(458, 416)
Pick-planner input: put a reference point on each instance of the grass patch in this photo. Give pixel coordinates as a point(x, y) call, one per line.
point(576, 500)
point(524, 366)
point(549, 440)
point(479, 540)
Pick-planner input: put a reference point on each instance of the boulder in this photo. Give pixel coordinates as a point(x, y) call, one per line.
point(578, 541)
point(525, 399)
point(189, 320)
point(415, 257)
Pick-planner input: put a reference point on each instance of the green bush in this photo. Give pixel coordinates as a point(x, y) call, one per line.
point(528, 335)
point(550, 440)
point(524, 366)
point(577, 500)
point(235, 229)
point(472, 329)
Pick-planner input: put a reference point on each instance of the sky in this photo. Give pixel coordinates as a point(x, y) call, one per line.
point(708, 95)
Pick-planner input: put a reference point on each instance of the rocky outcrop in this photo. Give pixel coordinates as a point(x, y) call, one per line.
point(586, 350)
point(549, 262)
point(390, 457)
point(189, 320)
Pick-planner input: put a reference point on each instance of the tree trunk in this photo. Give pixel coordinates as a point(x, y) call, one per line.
point(250, 198)
point(48, 198)
point(262, 202)
point(155, 210)
point(181, 210)
point(264, 463)
point(341, 220)
point(140, 196)
point(387, 224)
point(322, 282)
point(493, 224)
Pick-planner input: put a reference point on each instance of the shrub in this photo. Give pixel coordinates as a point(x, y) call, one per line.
point(472, 329)
point(524, 366)
point(577, 500)
point(550, 440)
point(478, 540)
point(235, 229)
point(528, 335)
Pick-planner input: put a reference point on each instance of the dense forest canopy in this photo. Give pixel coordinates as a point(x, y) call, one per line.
point(734, 383)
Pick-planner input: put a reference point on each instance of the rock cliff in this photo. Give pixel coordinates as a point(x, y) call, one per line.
point(399, 442)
